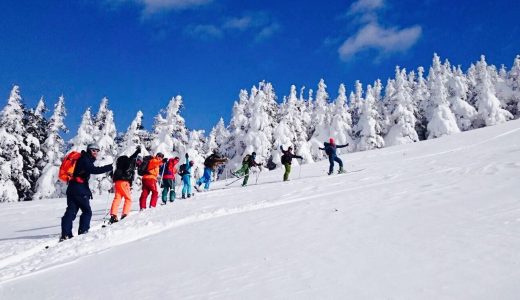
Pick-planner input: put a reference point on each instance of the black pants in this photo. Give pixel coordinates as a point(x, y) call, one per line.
point(74, 204)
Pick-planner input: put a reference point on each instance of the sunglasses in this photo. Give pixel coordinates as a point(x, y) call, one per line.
point(94, 150)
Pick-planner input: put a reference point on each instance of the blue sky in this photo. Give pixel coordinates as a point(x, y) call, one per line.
point(140, 53)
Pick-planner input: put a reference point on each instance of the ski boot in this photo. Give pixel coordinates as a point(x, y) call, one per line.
point(123, 216)
point(65, 237)
point(341, 171)
point(113, 219)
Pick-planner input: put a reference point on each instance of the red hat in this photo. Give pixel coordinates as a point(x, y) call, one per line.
point(331, 140)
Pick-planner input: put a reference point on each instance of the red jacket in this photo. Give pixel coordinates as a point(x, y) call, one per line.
point(171, 170)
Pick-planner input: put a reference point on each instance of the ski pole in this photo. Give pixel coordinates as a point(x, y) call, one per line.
point(300, 170)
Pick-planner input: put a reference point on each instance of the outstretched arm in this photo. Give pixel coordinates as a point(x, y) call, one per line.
point(137, 151)
point(342, 146)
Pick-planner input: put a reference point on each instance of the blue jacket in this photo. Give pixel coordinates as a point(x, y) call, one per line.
point(85, 167)
point(330, 149)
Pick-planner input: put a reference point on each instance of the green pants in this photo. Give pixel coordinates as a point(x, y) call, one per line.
point(287, 171)
point(243, 171)
point(168, 186)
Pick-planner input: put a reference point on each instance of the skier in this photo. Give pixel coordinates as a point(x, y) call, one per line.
point(168, 179)
point(150, 181)
point(185, 172)
point(247, 163)
point(210, 165)
point(330, 149)
point(123, 178)
point(287, 158)
point(79, 194)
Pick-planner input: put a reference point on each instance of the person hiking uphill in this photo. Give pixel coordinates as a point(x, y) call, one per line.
point(79, 194)
point(330, 149)
point(210, 165)
point(168, 179)
point(287, 158)
point(247, 163)
point(150, 180)
point(123, 178)
point(185, 172)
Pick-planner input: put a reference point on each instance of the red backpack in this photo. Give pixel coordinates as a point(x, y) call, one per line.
point(67, 166)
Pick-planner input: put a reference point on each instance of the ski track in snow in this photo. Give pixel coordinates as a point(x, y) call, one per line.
point(139, 226)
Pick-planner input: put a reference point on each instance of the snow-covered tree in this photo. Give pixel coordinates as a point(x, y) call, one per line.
point(36, 127)
point(170, 132)
point(457, 97)
point(356, 101)
point(133, 137)
point(369, 130)
point(488, 105)
point(513, 81)
point(341, 126)
point(238, 125)
point(85, 134)
point(402, 118)
point(321, 121)
point(258, 138)
point(195, 149)
point(420, 96)
point(441, 120)
point(13, 185)
point(48, 184)
point(217, 138)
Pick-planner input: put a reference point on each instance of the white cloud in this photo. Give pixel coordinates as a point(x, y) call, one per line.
point(372, 36)
point(267, 32)
point(364, 6)
point(241, 24)
point(204, 32)
point(151, 7)
point(260, 24)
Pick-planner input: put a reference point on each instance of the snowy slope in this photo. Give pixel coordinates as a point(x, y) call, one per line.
point(435, 219)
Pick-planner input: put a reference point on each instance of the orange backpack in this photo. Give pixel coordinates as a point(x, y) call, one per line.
point(67, 166)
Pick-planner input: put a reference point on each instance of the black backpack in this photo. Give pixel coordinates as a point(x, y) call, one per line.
point(142, 169)
point(286, 158)
point(182, 170)
point(209, 161)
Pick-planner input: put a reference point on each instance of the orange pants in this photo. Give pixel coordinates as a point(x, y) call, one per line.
point(122, 188)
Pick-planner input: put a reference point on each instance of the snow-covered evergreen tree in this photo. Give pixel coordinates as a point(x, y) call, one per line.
point(356, 101)
point(36, 127)
point(321, 121)
point(217, 138)
point(13, 185)
point(441, 120)
point(341, 126)
point(420, 96)
point(170, 132)
point(107, 154)
point(259, 135)
point(369, 130)
point(195, 149)
point(457, 97)
point(513, 81)
point(133, 137)
point(402, 118)
point(238, 125)
point(48, 185)
point(488, 105)
point(85, 134)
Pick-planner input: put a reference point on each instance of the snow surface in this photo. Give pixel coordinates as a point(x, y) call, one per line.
point(439, 219)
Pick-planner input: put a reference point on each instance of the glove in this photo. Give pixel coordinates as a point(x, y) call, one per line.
point(187, 156)
point(165, 160)
point(138, 147)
